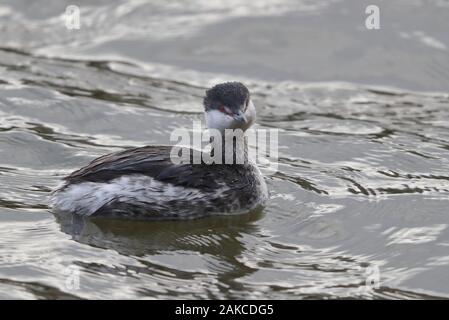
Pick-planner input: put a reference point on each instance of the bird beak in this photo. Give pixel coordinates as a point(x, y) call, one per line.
point(240, 117)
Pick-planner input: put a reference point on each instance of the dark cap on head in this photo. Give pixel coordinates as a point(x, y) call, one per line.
point(233, 95)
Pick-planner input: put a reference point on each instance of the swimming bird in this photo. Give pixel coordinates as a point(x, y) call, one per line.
point(144, 182)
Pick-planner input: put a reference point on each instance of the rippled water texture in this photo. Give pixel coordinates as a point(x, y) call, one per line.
point(363, 180)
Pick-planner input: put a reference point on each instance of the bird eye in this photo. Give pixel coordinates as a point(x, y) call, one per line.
point(225, 110)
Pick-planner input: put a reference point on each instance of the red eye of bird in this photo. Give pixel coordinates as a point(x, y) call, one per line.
point(225, 110)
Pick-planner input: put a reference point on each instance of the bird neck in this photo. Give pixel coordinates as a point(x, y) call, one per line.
point(231, 148)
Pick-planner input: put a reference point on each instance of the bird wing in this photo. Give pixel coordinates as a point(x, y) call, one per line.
point(155, 161)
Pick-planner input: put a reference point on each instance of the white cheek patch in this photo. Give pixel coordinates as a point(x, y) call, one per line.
point(250, 114)
point(218, 120)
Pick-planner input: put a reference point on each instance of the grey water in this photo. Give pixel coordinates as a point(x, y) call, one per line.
point(359, 206)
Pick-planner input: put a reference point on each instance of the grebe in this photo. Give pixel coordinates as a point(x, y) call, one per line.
point(144, 183)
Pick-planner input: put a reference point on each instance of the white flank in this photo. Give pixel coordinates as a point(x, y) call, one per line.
point(87, 197)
